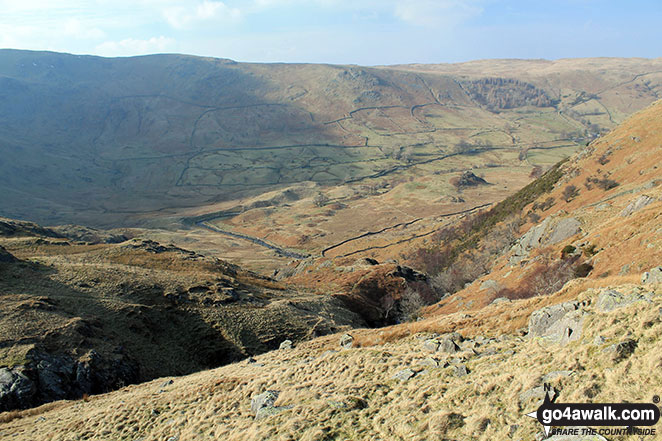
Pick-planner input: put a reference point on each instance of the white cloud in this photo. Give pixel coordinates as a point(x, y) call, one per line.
point(132, 46)
point(75, 28)
point(436, 12)
point(181, 17)
point(414, 12)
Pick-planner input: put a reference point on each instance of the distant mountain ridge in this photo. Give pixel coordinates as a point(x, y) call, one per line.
point(105, 141)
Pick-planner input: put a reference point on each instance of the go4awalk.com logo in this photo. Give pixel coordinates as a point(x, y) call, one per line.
point(577, 418)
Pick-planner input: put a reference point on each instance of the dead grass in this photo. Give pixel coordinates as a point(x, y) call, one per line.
point(435, 403)
point(8, 417)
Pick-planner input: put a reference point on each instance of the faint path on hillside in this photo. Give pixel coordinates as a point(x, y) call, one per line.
point(402, 224)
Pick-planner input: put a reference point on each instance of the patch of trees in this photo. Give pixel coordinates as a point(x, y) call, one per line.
point(505, 93)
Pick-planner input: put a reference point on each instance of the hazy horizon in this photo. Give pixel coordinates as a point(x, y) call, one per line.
point(363, 32)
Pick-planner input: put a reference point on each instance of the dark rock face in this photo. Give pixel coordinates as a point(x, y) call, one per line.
point(6, 256)
point(16, 389)
point(56, 377)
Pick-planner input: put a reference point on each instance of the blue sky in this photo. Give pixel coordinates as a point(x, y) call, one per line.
point(366, 32)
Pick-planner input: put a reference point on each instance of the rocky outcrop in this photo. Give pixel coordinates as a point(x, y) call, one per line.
point(610, 299)
point(49, 377)
point(89, 235)
point(560, 324)
point(376, 292)
point(548, 232)
point(637, 205)
point(468, 179)
point(16, 389)
point(14, 228)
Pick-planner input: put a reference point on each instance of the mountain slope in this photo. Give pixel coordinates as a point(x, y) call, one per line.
point(472, 368)
point(107, 141)
point(84, 317)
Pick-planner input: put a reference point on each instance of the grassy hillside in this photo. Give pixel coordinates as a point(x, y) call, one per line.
point(81, 317)
point(472, 367)
point(106, 141)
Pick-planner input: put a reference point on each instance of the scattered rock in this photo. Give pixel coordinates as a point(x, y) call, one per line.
point(455, 336)
point(461, 370)
point(167, 383)
point(346, 341)
point(652, 276)
point(264, 400)
point(599, 340)
point(621, 350)
point(490, 285)
point(448, 346)
point(431, 345)
point(287, 344)
point(405, 374)
point(430, 362)
point(488, 353)
point(470, 345)
point(348, 403)
point(558, 323)
point(499, 300)
point(555, 375)
point(265, 412)
point(637, 205)
point(534, 397)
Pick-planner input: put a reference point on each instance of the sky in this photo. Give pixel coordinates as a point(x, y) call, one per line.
point(365, 32)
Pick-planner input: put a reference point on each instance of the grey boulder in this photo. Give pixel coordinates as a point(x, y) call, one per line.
point(652, 276)
point(346, 341)
point(560, 324)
